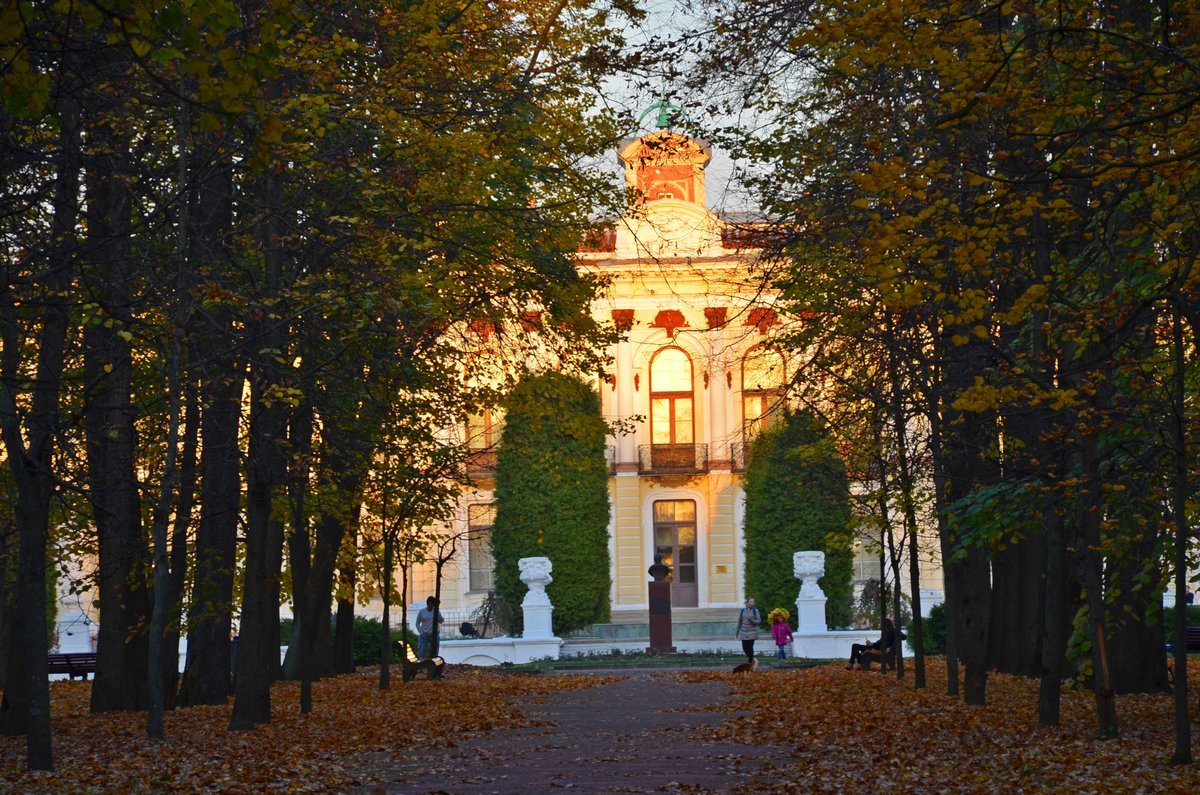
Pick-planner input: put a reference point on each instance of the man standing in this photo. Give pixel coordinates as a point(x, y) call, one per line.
point(427, 621)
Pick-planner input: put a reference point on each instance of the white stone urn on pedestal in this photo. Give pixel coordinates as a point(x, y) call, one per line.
point(535, 573)
point(808, 567)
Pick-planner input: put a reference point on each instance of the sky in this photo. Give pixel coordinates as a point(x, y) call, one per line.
point(667, 19)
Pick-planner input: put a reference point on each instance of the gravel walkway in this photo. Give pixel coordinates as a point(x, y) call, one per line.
point(628, 736)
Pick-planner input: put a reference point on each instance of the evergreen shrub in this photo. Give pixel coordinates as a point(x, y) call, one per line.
point(934, 628)
point(798, 499)
point(367, 632)
point(552, 498)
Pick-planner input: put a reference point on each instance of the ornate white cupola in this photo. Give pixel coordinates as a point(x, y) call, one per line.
point(665, 164)
point(665, 170)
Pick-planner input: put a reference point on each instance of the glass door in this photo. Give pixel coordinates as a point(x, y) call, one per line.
point(675, 541)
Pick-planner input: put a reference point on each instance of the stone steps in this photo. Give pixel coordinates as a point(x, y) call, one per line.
point(698, 626)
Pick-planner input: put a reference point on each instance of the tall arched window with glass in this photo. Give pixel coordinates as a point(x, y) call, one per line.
point(763, 378)
point(672, 410)
point(480, 518)
point(483, 425)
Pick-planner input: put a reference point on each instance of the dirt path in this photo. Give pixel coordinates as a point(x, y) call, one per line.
point(628, 736)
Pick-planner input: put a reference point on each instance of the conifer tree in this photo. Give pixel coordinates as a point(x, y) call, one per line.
point(552, 497)
point(797, 499)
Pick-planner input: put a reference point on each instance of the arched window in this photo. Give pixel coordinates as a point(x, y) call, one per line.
point(763, 379)
point(482, 574)
point(672, 419)
point(483, 426)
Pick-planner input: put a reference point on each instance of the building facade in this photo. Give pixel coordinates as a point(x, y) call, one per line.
point(694, 376)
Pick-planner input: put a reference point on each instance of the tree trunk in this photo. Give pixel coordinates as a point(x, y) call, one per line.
point(343, 641)
point(162, 573)
point(909, 514)
point(385, 585)
point(182, 522)
point(1139, 659)
point(206, 678)
point(266, 475)
point(1092, 562)
point(29, 443)
point(1055, 622)
point(122, 648)
point(1182, 753)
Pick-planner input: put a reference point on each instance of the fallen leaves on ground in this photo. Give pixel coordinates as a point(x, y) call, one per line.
point(854, 731)
point(351, 720)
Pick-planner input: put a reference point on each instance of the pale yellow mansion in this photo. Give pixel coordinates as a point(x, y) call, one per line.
point(694, 374)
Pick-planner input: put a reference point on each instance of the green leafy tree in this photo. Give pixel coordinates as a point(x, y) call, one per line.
point(798, 498)
point(552, 497)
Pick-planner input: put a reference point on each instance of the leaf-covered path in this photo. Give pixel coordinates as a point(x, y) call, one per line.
point(822, 729)
point(632, 735)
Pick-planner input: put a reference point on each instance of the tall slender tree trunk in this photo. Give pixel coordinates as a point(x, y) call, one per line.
point(206, 677)
point(909, 514)
point(180, 529)
point(266, 475)
point(162, 568)
point(343, 641)
point(1182, 753)
point(933, 415)
point(385, 650)
point(29, 441)
point(122, 648)
point(1092, 561)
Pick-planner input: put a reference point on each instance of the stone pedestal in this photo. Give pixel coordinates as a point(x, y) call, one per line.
point(660, 617)
point(536, 607)
point(808, 567)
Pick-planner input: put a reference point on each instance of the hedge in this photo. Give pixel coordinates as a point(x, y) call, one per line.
point(798, 499)
point(552, 498)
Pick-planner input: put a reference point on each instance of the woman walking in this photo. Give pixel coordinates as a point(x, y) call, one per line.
point(747, 628)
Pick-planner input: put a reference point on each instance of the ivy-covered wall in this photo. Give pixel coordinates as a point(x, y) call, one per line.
point(798, 498)
point(552, 498)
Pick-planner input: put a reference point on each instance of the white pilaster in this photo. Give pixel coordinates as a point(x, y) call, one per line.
point(626, 444)
point(718, 401)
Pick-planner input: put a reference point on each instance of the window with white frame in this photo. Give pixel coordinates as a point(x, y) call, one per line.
point(482, 574)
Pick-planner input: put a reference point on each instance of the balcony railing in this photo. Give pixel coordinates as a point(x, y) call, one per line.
point(599, 241)
point(667, 459)
point(737, 456)
point(481, 461)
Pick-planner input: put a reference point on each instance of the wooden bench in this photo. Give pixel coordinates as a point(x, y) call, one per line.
point(411, 665)
point(1193, 639)
point(886, 658)
point(73, 664)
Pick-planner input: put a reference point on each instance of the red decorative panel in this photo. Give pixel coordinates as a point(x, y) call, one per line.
point(669, 320)
point(623, 319)
point(668, 182)
point(716, 316)
point(763, 318)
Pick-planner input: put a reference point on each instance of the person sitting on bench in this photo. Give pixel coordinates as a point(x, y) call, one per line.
point(863, 654)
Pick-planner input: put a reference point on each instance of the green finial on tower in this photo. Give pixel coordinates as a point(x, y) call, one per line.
point(667, 111)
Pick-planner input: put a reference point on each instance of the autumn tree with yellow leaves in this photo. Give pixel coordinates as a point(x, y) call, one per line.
point(1016, 182)
point(229, 229)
